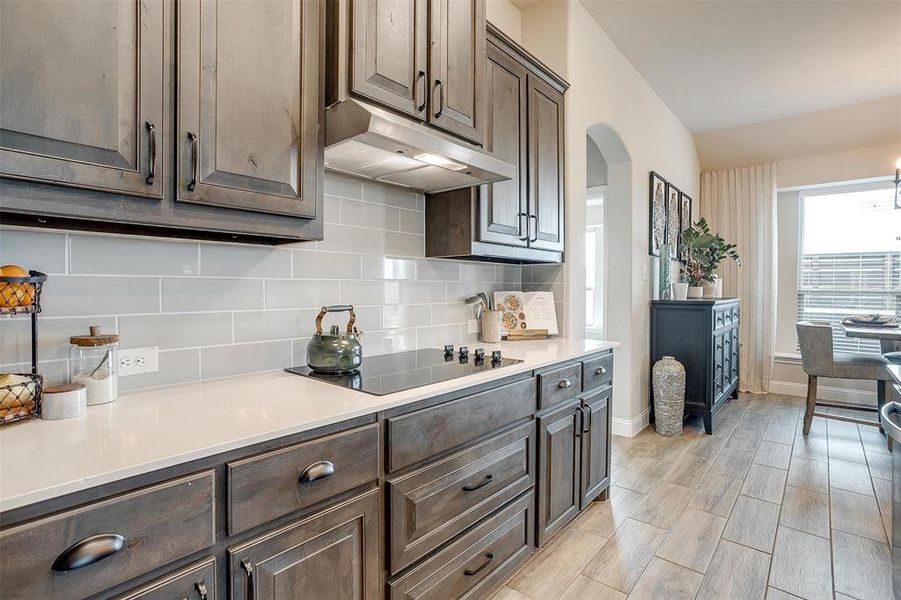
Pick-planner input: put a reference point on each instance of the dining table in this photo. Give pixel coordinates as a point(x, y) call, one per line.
point(889, 337)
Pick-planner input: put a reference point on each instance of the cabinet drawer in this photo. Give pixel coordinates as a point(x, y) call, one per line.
point(430, 431)
point(475, 563)
point(433, 504)
point(719, 317)
point(195, 582)
point(597, 372)
point(151, 527)
point(271, 485)
point(559, 385)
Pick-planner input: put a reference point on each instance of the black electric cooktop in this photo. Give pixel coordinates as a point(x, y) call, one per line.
point(389, 373)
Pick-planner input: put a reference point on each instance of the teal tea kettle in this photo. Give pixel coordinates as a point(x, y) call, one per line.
point(335, 352)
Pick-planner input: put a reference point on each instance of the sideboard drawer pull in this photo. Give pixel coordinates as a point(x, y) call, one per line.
point(600, 371)
point(484, 482)
point(88, 551)
point(564, 383)
point(318, 470)
point(471, 572)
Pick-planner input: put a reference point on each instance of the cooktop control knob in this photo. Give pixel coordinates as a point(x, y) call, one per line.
point(480, 355)
point(464, 352)
point(495, 357)
point(448, 350)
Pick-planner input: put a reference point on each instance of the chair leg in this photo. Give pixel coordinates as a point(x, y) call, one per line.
point(880, 401)
point(811, 402)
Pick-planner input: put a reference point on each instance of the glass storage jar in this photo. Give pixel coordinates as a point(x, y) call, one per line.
point(94, 362)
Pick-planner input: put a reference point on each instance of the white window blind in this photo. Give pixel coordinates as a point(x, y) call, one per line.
point(849, 258)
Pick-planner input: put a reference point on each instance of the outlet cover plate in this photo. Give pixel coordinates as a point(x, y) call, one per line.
point(138, 361)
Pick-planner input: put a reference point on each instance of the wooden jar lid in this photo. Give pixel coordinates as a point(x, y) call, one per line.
point(95, 338)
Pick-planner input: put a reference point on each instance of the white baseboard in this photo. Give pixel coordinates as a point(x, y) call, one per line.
point(630, 427)
point(831, 394)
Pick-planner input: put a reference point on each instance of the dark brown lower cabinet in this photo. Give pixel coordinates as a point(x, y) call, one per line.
point(573, 459)
point(194, 582)
point(333, 554)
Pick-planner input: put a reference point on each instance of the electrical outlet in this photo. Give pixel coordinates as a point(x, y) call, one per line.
point(137, 361)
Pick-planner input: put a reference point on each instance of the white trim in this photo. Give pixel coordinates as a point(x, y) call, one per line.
point(834, 184)
point(630, 427)
point(830, 394)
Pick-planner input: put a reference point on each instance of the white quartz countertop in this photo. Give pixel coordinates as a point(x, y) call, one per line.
point(154, 429)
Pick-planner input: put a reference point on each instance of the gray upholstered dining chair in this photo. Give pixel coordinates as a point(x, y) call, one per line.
point(819, 360)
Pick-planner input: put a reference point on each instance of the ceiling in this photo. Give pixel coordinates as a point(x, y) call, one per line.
point(720, 64)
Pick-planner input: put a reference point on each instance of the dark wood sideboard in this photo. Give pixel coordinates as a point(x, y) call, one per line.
point(702, 335)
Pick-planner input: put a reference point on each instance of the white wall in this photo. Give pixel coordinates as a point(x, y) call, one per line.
point(640, 134)
point(506, 17)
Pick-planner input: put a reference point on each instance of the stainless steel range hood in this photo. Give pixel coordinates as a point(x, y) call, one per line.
point(367, 141)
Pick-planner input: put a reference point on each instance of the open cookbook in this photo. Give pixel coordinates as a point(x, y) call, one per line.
point(527, 311)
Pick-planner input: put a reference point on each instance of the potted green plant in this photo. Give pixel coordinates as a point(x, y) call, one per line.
point(701, 254)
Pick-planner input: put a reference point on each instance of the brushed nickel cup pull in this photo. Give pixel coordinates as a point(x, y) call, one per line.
point(192, 185)
point(316, 471)
point(564, 383)
point(471, 572)
point(600, 371)
point(484, 482)
point(88, 551)
point(151, 131)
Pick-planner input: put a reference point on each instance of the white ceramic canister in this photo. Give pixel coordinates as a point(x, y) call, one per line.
point(492, 326)
point(94, 363)
point(63, 402)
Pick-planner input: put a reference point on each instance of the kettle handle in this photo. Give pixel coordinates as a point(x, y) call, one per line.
point(336, 308)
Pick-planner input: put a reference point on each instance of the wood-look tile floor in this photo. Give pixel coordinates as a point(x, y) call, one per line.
point(755, 510)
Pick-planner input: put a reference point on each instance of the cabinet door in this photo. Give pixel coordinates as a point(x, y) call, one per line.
point(595, 445)
point(333, 554)
point(390, 52)
point(250, 104)
point(559, 457)
point(545, 165)
point(502, 205)
point(457, 66)
point(82, 94)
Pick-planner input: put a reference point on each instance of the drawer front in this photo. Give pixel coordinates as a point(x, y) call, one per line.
point(274, 484)
point(597, 372)
point(719, 317)
point(477, 562)
point(419, 435)
point(157, 525)
point(195, 582)
point(559, 385)
point(433, 504)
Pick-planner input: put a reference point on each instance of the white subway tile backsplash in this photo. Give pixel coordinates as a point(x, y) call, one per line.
point(314, 264)
point(225, 309)
point(107, 255)
point(224, 260)
point(55, 372)
point(351, 239)
point(225, 361)
point(197, 295)
point(33, 250)
point(404, 244)
point(67, 295)
point(366, 214)
point(187, 330)
point(381, 267)
point(301, 293)
point(175, 366)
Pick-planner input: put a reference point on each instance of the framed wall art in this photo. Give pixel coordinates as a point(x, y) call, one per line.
point(657, 214)
point(672, 215)
point(685, 216)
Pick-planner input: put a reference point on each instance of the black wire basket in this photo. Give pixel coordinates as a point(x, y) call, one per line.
point(20, 393)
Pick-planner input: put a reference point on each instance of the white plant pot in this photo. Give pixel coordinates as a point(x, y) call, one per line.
point(695, 291)
point(680, 290)
point(713, 289)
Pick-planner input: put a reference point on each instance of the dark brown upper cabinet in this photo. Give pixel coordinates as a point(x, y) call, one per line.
point(520, 220)
point(422, 58)
point(457, 66)
point(82, 99)
point(249, 105)
point(390, 53)
point(503, 216)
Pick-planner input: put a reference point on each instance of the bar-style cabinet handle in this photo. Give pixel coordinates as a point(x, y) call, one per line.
point(439, 87)
point(525, 237)
point(192, 185)
point(420, 91)
point(316, 471)
point(88, 551)
point(151, 131)
point(471, 572)
point(535, 239)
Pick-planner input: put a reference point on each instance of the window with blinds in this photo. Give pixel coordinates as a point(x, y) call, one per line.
point(849, 258)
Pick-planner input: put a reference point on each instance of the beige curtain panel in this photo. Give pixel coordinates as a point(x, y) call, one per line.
point(740, 203)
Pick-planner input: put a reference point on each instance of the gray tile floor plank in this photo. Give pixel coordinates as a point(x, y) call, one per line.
point(583, 588)
point(800, 565)
point(753, 523)
point(809, 474)
point(551, 571)
point(857, 514)
point(716, 494)
point(663, 579)
point(736, 573)
point(806, 511)
point(622, 560)
point(765, 483)
point(849, 476)
point(693, 539)
point(662, 506)
point(863, 568)
point(773, 454)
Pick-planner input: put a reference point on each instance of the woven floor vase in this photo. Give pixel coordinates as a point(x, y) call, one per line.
point(669, 396)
